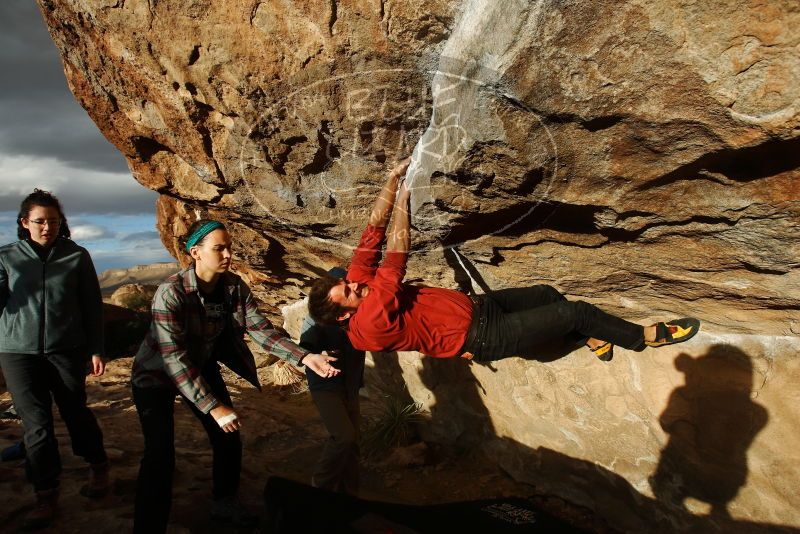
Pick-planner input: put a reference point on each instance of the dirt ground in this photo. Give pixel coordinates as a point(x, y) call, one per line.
point(282, 435)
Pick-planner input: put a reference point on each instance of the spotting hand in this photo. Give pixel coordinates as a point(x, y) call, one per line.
point(320, 364)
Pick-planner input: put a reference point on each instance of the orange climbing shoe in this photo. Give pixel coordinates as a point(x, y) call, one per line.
point(604, 352)
point(676, 331)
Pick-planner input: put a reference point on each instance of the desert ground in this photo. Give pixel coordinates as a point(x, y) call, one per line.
point(282, 435)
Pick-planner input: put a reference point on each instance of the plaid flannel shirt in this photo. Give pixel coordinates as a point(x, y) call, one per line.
point(173, 352)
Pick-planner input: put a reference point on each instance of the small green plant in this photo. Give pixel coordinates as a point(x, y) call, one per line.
point(137, 301)
point(394, 426)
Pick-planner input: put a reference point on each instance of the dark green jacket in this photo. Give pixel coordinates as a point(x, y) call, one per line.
point(52, 305)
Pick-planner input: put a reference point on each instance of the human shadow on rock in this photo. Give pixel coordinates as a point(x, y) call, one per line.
point(387, 377)
point(707, 458)
point(610, 495)
point(711, 421)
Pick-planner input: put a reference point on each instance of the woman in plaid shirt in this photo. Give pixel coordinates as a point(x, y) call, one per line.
point(200, 316)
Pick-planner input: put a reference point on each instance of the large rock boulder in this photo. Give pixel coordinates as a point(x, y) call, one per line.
point(133, 296)
point(640, 155)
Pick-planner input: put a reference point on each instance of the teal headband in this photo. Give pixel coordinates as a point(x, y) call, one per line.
point(200, 233)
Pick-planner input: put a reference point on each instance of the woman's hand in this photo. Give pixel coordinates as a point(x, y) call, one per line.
point(226, 418)
point(320, 364)
point(98, 365)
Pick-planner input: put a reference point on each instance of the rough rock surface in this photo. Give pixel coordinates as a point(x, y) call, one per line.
point(133, 296)
point(693, 439)
point(639, 155)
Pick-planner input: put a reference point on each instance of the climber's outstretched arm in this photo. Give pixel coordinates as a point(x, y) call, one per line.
point(385, 201)
point(398, 238)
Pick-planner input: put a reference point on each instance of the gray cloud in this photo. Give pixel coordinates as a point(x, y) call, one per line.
point(40, 115)
point(140, 236)
point(79, 190)
point(48, 141)
point(81, 232)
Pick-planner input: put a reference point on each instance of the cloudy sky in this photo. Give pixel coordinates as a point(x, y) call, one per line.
point(48, 141)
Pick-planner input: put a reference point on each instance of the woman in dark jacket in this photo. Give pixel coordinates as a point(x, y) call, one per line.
point(50, 326)
point(200, 317)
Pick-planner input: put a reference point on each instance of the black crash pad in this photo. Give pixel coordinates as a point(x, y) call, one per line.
point(296, 507)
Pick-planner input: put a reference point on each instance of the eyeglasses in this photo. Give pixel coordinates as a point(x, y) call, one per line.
point(42, 222)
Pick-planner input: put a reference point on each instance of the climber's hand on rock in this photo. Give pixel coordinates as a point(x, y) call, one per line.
point(400, 169)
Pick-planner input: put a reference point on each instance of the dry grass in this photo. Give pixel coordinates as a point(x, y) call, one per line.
point(287, 376)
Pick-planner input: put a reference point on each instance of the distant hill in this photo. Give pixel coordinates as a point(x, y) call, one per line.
point(152, 274)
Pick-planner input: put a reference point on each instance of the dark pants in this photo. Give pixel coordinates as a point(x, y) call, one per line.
point(154, 486)
point(337, 468)
point(513, 322)
point(35, 381)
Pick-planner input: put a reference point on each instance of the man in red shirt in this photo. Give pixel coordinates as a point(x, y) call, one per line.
point(384, 314)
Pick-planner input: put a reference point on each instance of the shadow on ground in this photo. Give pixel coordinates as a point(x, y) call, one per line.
point(711, 422)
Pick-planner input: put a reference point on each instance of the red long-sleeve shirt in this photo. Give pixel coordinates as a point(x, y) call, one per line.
point(398, 316)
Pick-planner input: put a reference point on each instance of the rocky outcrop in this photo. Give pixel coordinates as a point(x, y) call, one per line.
point(149, 275)
point(623, 149)
point(133, 296)
point(639, 155)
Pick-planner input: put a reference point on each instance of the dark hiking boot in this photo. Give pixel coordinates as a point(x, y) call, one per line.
point(98, 484)
point(44, 511)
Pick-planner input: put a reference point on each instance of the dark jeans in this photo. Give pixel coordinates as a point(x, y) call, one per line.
point(513, 322)
point(35, 381)
point(337, 467)
point(154, 486)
